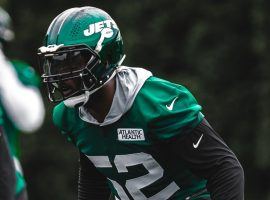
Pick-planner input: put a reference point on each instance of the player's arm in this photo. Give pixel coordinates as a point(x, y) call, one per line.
point(23, 104)
point(207, 156)
point(91, 184)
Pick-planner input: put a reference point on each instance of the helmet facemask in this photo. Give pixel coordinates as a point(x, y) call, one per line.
point(71, 70)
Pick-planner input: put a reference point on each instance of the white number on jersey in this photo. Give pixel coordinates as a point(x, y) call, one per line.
point(134, 186)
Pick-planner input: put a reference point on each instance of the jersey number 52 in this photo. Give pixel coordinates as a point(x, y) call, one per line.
point(134, 186)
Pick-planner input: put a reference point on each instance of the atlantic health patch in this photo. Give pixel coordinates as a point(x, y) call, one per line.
point(130, 134)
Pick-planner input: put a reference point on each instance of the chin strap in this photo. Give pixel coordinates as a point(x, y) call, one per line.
point(77, 100)
point(83, 98)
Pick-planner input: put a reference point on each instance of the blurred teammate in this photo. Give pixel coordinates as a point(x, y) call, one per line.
point(7, 172)
point(139, 136)
point(21, 105)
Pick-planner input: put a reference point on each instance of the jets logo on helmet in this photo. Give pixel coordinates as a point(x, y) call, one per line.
point(99, 26)
point(83, 45)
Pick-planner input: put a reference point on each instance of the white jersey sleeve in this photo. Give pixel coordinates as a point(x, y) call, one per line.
point(24, 105)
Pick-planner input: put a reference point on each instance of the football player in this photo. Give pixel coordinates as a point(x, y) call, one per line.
point(21, 108)
point(139, 136)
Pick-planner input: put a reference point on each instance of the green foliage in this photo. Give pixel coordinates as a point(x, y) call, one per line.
point(218, 49)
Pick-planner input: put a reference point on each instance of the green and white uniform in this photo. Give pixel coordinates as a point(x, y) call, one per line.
point(154, 138)
point(28, 78)
point(129, 147)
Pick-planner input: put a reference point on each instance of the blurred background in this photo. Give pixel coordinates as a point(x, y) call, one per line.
point(218, 49)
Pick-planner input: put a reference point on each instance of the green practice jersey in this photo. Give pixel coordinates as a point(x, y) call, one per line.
point(28, 77)
point(131, 152)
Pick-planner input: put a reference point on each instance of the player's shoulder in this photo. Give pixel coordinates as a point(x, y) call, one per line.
point(160, 84)
point(63, 116)
point(166, 105)
point(26, 73)
point(158, 89)
point(168, 108)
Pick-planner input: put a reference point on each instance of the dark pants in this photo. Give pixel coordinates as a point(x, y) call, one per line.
point(7, 171)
